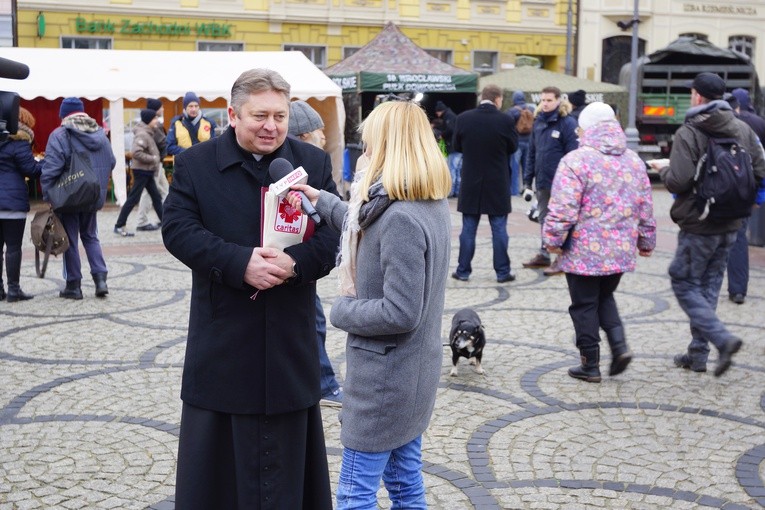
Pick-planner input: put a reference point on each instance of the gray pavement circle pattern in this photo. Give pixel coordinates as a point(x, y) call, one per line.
point(89, 408)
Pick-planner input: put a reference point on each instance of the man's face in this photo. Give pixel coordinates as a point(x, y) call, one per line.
point(549, 102)
point(695, 98)
point(192, 109)
point(262, 122)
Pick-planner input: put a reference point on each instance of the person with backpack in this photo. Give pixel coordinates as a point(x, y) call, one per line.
point(706, 233)
point(523, 118)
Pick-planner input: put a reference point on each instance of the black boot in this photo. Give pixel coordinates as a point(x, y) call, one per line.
point(620, 353)
point(13, 271)
point(100, 280)
point(2, 286)
point(589, 370)
point(72, 290)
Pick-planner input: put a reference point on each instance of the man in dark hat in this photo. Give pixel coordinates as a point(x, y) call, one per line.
point(578, 100)
point(160, 178)
point(703, 245)
point(190, 127)
point(453, 158)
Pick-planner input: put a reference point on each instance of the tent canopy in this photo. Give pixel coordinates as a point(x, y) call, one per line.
point(117, 75)
point(391, 62)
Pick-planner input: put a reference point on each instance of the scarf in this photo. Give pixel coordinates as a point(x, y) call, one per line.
point(359, 217)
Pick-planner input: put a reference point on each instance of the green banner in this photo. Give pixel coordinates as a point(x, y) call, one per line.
point(417, 82)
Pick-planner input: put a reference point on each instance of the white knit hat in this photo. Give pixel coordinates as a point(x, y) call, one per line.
point(594, 113)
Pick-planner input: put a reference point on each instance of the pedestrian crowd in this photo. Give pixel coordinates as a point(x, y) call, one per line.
point(251, 431)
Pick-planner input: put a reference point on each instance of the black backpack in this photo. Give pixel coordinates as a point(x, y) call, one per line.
point(724, 182)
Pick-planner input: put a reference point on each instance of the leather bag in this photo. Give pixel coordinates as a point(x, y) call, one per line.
point(48, 237)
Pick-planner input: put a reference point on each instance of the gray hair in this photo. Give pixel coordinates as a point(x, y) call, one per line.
point(255, 81)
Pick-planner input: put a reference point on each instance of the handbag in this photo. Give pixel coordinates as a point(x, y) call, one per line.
point(48, 237)
point(78, 188)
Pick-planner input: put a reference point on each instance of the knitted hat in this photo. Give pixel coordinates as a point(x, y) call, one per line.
point(69, 106)
point(153, 104)
point(148, 115)
point(594, 113)
point(577, 98)
point(190, 97)
point(519, 98)
point(742, 96)
point(303, 118)
point(440, 106)
point(709, 85)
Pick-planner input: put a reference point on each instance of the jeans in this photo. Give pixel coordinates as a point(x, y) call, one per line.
point(697, 274)
point(454, 161)
point(738, 263)
point(400, 470)
point(517, 160)
point(141, 179)
point(499, 242)
point(593, 306)
point(84, 226)
point(329, 384)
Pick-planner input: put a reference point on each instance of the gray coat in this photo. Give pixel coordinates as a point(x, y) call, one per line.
point(394, 349)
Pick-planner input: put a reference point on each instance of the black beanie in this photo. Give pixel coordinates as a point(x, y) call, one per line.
point(577, 98)
point(148, 115)
point(153, 104)
point(440, 106)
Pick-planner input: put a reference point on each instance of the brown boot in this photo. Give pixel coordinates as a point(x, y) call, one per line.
point(538, 261)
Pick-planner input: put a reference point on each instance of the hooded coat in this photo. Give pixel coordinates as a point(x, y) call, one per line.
point(601, 208)
point(16, 162)
point(552, 137)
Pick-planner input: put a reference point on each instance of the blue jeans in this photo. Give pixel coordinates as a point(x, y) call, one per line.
point(517, 160)
point(499, 242)
point(697, 274)
point(400, 470)
point(83, 226)
point(454, 161)
point(328, 382)
point(738, 263)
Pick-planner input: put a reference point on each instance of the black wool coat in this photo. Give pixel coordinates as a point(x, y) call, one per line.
point(486, 137)
point(243, 355)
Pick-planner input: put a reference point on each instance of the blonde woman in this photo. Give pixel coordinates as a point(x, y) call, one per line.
point(393, 269)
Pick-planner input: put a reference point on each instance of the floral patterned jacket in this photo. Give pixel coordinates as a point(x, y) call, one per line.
point(601, 208)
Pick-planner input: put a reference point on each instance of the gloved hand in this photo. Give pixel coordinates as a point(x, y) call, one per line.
point(528, 194)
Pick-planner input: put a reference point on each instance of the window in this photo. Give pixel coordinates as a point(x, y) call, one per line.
point(442, 55)
point(485, 62)
point(316, 54)
point(350, 50)
point(743, 44)
point(219, 46)
point(616, 52)
point(87, 43)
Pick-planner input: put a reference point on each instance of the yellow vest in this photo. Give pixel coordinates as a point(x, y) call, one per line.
point(183, 137)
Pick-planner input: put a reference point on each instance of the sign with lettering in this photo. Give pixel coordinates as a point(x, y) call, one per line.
point(128, 27)
point(739, 10)
point(417, 82)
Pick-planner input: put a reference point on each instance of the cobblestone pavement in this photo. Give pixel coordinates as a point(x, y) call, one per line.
point(89, 392)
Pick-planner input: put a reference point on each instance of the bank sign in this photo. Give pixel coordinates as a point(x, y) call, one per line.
point(129, 27)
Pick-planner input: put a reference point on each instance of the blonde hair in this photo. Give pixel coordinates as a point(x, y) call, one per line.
point(404, 152)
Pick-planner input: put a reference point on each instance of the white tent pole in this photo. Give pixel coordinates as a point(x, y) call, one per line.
point(117, 131)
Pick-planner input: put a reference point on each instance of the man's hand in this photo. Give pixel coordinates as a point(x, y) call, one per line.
point(268, 268)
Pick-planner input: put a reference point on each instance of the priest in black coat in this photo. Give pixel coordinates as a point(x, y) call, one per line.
point(251, 430)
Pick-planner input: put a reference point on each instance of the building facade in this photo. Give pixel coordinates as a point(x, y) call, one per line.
point(604, 47)
point(485, 36)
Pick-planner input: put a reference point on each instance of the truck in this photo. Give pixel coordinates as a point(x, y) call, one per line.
point(663, 89)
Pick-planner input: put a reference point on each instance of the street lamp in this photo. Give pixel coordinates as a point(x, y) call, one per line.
point(633, 138)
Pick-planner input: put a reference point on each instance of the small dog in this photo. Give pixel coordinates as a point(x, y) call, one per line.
point(467, 339)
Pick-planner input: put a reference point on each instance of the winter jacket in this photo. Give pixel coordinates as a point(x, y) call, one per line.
point(553, 136)
point(16, 162)
point(690, 143)
point(601, 209)
point(447, 129)
point(85, 135)
point(184, 133)
point(144, 151)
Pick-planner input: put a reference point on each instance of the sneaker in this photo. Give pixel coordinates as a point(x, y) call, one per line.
point(737, 298)
point(148, 227)
point(684, 361)
point(120, 231)
point(334, 399)
point(726, 356)
point(460, 278)
point(538, 261)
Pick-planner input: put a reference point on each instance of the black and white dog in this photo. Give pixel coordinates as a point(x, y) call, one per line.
point(467, 339)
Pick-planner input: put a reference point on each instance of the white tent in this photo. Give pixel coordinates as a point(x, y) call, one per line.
point(116, 75)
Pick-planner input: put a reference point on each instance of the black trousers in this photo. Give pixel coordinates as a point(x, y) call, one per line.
point(141, 179)
point(11, 235)
point(592, 306)
point(246, 461)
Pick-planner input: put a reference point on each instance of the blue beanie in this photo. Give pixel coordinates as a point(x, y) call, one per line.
point(69, 106)
point(190, 97)
point(519, 97)
point(742, 95)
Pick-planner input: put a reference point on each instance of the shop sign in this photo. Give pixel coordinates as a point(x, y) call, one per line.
point(128, 27)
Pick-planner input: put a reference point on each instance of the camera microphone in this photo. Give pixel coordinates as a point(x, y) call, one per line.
point(13, 70)
point(281, 168)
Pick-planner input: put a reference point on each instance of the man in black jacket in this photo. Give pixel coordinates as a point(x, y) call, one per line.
point(454, 157)
point(251, 429)
point(486, 137)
